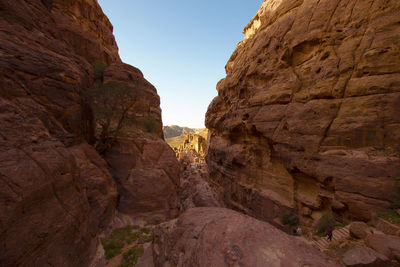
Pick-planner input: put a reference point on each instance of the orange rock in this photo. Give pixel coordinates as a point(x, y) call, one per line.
point(309, 110)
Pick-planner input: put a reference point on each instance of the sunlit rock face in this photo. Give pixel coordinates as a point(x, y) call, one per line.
point(307, 118)
point(192, 150)
point(56, 192)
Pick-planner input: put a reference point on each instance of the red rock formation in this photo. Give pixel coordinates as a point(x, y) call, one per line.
point(147, 175)
point(147, 104)
point(195, 191)
point(307, 118)
point(56, 192)
point(222, 237)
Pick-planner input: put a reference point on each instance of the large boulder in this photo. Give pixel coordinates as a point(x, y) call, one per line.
point(387, 245)
point(308, 111)
point(223, 237)
point(364, 257)
point(385, 226)
point(359, 230)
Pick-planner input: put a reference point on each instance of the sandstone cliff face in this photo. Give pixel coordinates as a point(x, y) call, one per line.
point(307, 119)
point(147, 175)
point(56, 192)
point(192, 150)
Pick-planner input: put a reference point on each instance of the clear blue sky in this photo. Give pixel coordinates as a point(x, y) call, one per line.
point(181, 47)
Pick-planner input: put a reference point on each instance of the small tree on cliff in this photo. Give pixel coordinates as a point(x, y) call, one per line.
point(112, 104)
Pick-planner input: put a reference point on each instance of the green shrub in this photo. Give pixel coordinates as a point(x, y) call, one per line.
point(389, 215)
point(327, 221)
point(133, 237)
point(112, 105)
point(112, 248)
point(337, 251)
point(131, 257)
point(114, 243)
point(146, 238)
point(150, 125)
point(146, 230)
point(98, 68)
point(289, 219)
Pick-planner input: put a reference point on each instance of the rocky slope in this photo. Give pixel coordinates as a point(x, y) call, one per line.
point(57, 193)
point(222, 237)
point(307, 118)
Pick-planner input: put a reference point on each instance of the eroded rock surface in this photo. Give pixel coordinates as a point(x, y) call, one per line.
point(222, 237)
point(308, 114)
point(56, 192)
point(364, 257)
point(359, 230)
point(192, 150)
point(388, 245)
point(195, 191)
point(147, 174)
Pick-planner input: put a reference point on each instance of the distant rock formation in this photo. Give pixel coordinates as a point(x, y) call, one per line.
point(175, 130)
point(57, 193)
point(193, 149)
point(307, 119)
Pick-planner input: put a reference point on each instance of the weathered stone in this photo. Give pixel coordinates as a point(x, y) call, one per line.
point(193, 149)
point(56, 192)
point(363, 256)
point(195, 190)
point(147, 174)
point(385, 226)
point(338, 206)
point(359, 230)
point(222, 237)
point(146, 107)
point(308, 111)
point(387, 245)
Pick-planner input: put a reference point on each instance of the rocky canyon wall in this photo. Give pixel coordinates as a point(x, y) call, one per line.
point(307, 119)
point(57, 193)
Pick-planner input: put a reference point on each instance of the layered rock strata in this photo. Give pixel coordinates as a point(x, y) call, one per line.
point(193, 149)
point(307, 118)
point(57, 193)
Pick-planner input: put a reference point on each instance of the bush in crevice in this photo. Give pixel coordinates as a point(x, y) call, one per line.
point(327, 221)
point(112, 105)
point(289, 219)
point(150, 125)
point(98, 70)
point(131, 257)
